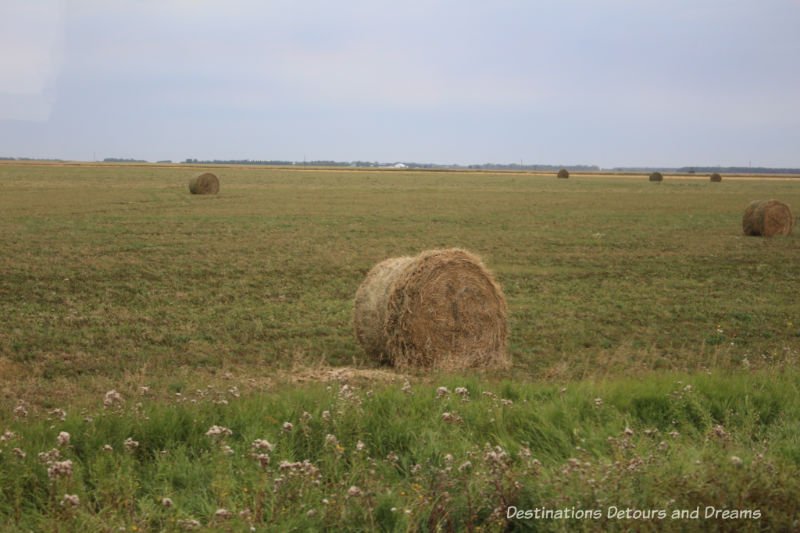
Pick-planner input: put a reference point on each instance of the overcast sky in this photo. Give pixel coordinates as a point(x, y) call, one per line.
point(611, 83)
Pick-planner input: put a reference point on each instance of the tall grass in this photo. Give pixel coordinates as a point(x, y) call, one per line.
point(417, 457)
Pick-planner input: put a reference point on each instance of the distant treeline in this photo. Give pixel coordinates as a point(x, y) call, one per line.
point(709, 170)
point(122, 160)
point(514, 166)
point(28, 159)
point(278, 162)
point(235, 162)
point(327, 163)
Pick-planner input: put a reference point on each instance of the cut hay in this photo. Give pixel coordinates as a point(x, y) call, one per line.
point(656, 176)
point(441, 309)
point(716, 177)
point(204, 184)
point(563, 174)
point(767, 218)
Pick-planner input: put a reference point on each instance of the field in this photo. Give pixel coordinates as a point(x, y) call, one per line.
point(655, 352)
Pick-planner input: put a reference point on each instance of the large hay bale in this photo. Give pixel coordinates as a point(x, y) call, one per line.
point(206, 183)
point(716, 177)
point(563, 174)
point(767, 218)
point(656, 176)
point(441, 309)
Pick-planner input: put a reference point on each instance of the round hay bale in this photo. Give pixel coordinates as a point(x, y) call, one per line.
point(206, 183)
point(656, 176)
point(716, 177)
point(767, 218)
point(563, 174)
point(441, 309)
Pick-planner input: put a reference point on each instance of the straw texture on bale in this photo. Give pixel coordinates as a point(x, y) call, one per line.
point(441, 309)
point(206, 183)
point(656, 176)
point(563, 174)
point(716, 177)
point(767, 218)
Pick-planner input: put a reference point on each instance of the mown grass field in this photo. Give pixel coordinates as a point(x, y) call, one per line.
point(235, 310)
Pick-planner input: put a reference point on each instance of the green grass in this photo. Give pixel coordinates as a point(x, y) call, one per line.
point(115, 277)
point(420, 459)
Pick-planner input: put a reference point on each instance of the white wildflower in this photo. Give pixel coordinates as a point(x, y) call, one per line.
point(71, 500)
point(59, 469)
point(217, 431)
point(112, 398)
point(20, 411)
point(262, 444)
point(47, 458)
point(130, 444)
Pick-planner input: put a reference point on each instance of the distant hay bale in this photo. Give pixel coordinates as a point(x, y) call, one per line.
point(716, 177)
point(767, 218)
point(206, 183)
point(656, 176)
point(563, 174)
point(441, 309)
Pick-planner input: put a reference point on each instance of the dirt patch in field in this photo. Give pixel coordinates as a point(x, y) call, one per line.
point(343, 374)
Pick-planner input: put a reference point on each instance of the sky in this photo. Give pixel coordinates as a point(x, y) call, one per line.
point(598, 82)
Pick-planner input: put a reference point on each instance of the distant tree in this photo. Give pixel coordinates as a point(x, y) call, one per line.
point(563, 174)
point(716, 177)
point(123, 160)
point(656, 176)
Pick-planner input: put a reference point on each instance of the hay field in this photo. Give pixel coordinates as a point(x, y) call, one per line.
point(115, 269)
point(116, 277)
